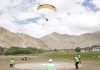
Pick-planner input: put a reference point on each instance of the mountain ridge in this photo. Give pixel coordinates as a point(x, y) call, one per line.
point(65, 41)
point(9, 39)
point(51, 41)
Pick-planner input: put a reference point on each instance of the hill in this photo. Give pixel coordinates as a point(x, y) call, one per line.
point(64, 41)
point(9, 39)
point(51, 41)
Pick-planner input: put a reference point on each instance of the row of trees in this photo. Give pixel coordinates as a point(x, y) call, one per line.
point(18, 50)
point(30, 50)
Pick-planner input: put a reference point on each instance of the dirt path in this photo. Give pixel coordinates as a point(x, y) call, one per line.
point(42, 65)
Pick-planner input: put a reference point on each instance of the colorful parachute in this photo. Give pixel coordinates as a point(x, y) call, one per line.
point(48, 6)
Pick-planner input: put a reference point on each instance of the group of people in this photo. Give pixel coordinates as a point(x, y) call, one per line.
point(12, 61)
point(50, 65)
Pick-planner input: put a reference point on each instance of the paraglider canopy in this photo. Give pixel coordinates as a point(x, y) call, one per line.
point(47, 6)
point(45, 13)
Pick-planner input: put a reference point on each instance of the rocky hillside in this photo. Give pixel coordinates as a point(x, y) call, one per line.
point(9, 39)
point(51, 41)
point(64, 41)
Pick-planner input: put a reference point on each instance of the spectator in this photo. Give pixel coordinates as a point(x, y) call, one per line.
point(76, 59)
point(50, 65)
point(12, 62)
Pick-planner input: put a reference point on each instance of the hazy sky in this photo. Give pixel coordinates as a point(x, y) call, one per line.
point(73, 17)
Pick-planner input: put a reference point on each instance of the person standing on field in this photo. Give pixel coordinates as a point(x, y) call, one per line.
point(76, 59)
point(50, 65)
point(12, 62)
point(25, 58)
point(79, 57)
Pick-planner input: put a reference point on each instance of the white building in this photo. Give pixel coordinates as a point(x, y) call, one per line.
point(96, 49)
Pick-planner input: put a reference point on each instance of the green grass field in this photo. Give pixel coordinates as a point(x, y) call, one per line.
point(69, 56)
point(57, 55)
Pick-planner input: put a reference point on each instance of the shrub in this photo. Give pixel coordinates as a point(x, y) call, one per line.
point(39, 50)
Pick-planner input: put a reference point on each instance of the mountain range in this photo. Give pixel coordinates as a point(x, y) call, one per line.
point(64, 41)
point(51, 41)
point(11, 39)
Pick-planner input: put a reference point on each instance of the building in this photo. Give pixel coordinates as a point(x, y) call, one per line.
point(96, 49)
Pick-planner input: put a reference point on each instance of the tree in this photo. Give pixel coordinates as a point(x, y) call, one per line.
point(94, 46)
point(77, 49)
point(19, 50)
point(1, 50)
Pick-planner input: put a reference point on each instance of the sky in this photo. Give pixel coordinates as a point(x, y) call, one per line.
point(73, 17)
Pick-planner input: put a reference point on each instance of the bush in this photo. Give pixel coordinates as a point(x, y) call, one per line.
point(39, 50)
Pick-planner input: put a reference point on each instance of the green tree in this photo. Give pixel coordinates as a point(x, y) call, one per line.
point(77, 49)
point(1, 50)
point(17, 50)
point(94, 46)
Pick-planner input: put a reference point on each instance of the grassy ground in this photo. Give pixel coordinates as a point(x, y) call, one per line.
point(90, 61)
point(89, 56)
